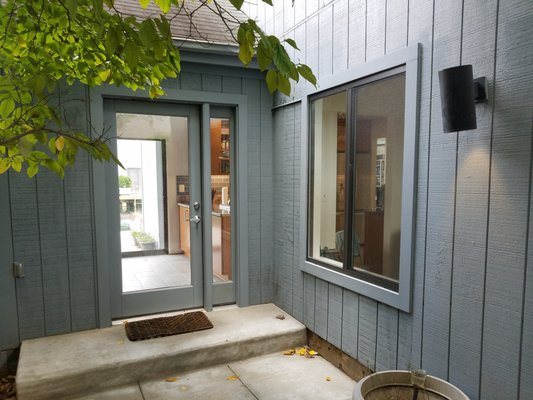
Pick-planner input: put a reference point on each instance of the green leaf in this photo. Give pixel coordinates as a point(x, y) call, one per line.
point(164, 5)
point(131, 54)
point(263, 58)
point(148, 32)
point(281, 59)
point(52, 145)
point(16, 163)
point(4, 165)
point(237, 3)
point(144, 3)
point(54, 166)
point(72, 6)
point(292, 43)
point(32, 170)
point(104, 75)
point(306, 73)
point(272, 80)
point(7, 106)
point(113, 39)
point(269, 2)
point(39, 155)
point(284, 85)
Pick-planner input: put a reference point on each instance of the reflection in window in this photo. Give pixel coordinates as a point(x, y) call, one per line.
point(372, 224)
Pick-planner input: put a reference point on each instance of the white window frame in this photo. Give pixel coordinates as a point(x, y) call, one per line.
point(410, 58)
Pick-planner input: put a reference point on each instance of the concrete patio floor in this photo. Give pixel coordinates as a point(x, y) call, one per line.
point(270, 377)
point(240, 358)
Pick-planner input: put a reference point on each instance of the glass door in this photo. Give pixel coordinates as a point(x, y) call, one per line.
point(159, 256)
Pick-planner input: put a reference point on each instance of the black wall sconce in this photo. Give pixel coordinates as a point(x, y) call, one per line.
point(459, 92)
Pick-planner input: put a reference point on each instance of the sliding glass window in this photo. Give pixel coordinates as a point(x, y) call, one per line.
point(355, 178)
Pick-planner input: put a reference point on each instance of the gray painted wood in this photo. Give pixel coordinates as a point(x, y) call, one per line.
point(366, 347)
point(298, 212)
point(54, 255)
point(325, 42)
point(509, 209)
point(335, 315)
point(340, 35)
point(472, 209)
point(309, 301)
point(321, 308)
point(9, 334)
point(266, 202)
point(350, 323)
point(251, 88)
point(27, 250)
point(387, 338)
point(356, 32)
point(375, 28)
point(396, 25)
point(441, 200)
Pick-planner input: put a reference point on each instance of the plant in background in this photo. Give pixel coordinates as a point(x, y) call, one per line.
point(124, 181)
point(48, 44)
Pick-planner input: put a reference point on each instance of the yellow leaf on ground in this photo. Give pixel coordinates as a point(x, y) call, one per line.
point(173, 379)
point(289, 352)
point(232, 378)
point(281, 316)
point(120, 342)
point(328, 378)
point(313, 353)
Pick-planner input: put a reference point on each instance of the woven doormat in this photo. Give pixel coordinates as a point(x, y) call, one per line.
point(167, 326)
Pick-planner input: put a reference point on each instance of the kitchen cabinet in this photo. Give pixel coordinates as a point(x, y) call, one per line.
point(226, 245)
point(185, 229)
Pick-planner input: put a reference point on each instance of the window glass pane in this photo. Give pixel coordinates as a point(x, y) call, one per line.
point(327, 179)
point(379, 141)
point(220, 195)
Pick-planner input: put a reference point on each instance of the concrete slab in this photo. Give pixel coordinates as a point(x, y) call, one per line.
point(129, 392)
point(206, 384)
point(277, 376)
point(75, 364)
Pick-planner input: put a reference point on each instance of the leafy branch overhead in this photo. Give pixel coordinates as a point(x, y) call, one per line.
point(47, 45)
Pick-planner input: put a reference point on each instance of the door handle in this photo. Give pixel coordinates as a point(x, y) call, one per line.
point(196, 219)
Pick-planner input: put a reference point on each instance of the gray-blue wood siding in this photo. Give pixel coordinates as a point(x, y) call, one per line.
point(472, 317)
point(52, 221)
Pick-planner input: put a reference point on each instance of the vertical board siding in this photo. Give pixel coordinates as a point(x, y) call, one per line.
point(472, 313)
point(298, 212)
point(473, 167)
point(508, 211)
point(387, 338)
point(251, 88)
point(54, 256)
point(335, 315)
point(441, 199)
point(267, 195)
point(27, 250)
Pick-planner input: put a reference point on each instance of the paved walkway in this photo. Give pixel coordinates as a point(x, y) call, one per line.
point(271, 377)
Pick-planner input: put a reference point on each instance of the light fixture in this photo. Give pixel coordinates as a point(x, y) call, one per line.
point(458, 93)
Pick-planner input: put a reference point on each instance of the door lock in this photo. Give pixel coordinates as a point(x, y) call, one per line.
point(196, 205)
point(196, 219)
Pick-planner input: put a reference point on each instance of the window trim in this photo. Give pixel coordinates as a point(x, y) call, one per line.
point(408, 57)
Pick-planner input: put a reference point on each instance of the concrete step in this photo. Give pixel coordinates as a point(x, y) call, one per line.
point(76, 364)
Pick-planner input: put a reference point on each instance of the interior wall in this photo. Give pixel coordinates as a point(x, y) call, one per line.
point(472, 312)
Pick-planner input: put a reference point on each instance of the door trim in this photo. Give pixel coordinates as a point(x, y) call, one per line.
point(101, 186)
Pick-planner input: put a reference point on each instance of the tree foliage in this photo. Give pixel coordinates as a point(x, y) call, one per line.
point(44, 43)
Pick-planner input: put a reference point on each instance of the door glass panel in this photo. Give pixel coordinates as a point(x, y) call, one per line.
point(221, 199)
point(154, 201)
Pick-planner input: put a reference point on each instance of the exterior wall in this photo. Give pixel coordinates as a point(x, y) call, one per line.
point(472, 313)
point(52, 222)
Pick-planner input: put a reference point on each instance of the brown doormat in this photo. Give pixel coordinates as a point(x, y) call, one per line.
point(167, 326)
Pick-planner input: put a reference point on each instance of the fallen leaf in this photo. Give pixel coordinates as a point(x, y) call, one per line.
point(289, 352)
point(173, 379)
point(281, 316)
point(120, 342)
point(313, 353)
point(328, 378)
point(232, 378)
